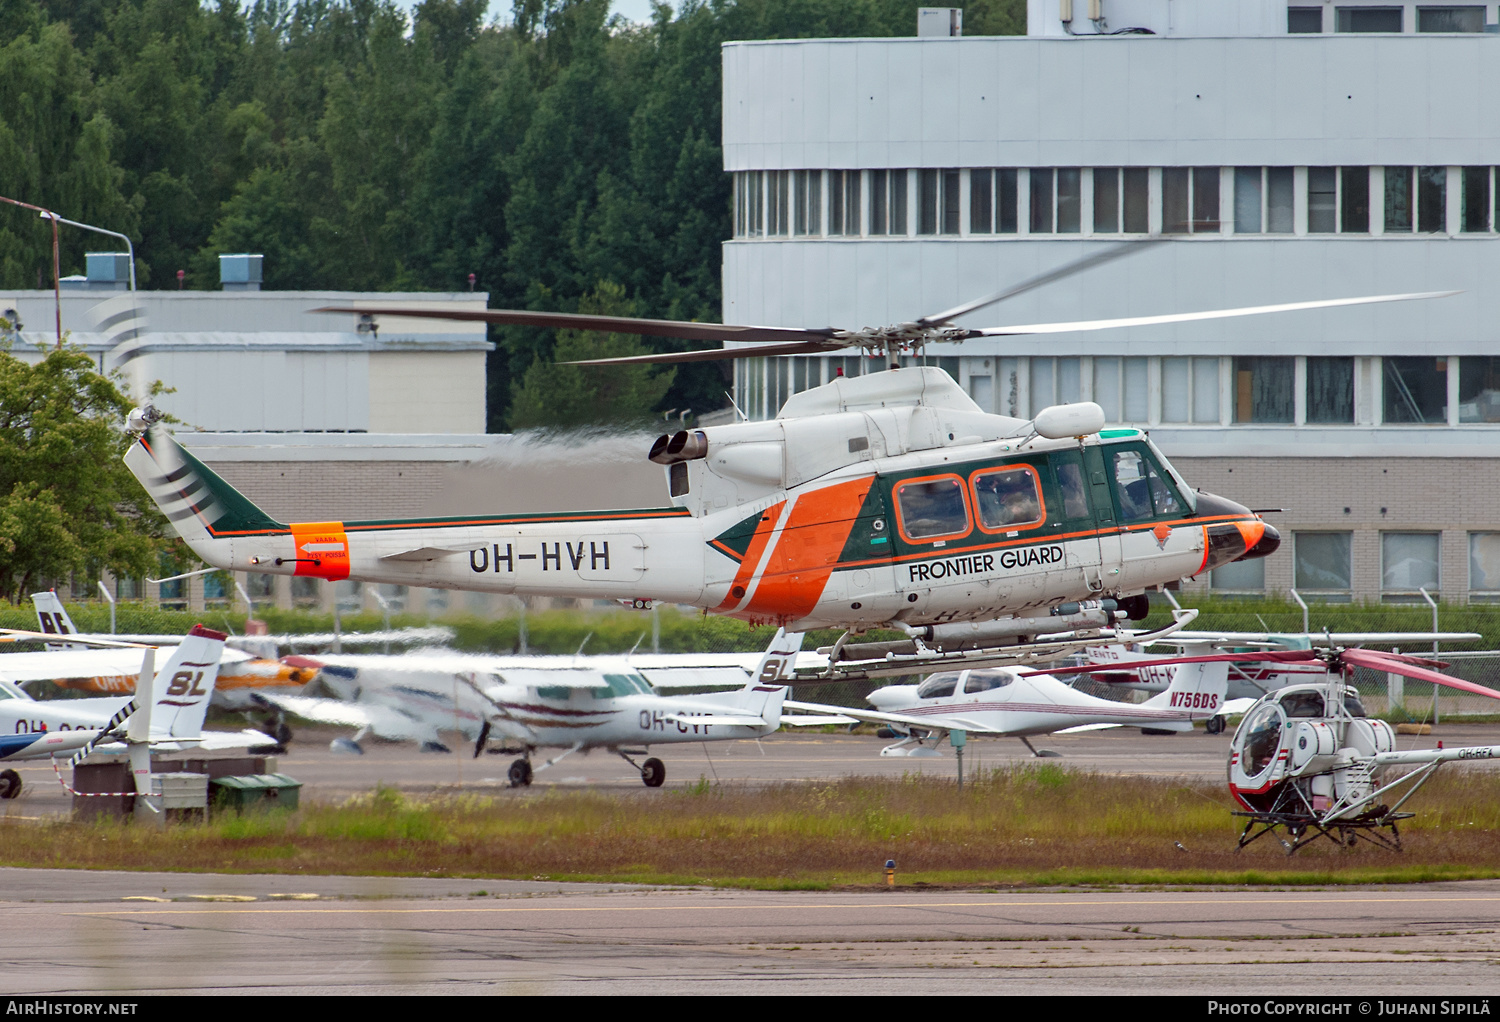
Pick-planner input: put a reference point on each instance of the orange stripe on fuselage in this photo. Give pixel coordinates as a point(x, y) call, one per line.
point(807, 551)
point(767, 525)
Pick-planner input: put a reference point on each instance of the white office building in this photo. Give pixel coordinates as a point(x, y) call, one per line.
point(1290, 152)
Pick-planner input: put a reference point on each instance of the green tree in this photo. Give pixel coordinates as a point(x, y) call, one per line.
point(67, 501)
point(553, 395)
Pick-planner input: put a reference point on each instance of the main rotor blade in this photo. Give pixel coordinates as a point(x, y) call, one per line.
point(1191, 317)
point(715, 354)
point(1088, 262)
point(1281, 656)
point(1393, 665)
point(681, 329)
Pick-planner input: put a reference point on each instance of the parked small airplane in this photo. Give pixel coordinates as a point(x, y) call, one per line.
point(1012, 704)
point(526, 703)
point(180, 694)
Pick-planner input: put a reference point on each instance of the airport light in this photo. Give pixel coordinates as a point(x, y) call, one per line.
point(56, 263)
point(129, 248)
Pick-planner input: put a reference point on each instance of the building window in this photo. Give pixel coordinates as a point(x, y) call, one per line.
point(349, 594)
point(1408, 563)
point(778, 201)
point(1338, 200)
point(1265, 389)
point(1304, 20)
point(1422, 191)
point(1416, 389)
point(1240, 576)
point(1120, 388)
point(981, 202)
point(938, 198)
point(1367, 19)
point(1056, 200)
point(1190, 200)
point(128, 589)
point(1479, 388)
point(808, 186)
point(1121, 200)
point(215, 588)
point(843, 202)
point(304, 592)
point(1321, 564)
point(749, 204)
point(1484, 567)
point(260, 587)
point(1450, 19)
point(1190, 390)
point(1474, 217)
point(888, 202)
point(1055, 381)
point(1330, 390)
point(1263, 200)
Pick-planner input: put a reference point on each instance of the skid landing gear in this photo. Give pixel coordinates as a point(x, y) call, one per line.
point(653, 771)
point(520, 773)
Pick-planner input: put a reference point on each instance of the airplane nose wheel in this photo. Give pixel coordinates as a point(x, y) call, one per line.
point(653, 772)
point(520, 774)
point(10, 784)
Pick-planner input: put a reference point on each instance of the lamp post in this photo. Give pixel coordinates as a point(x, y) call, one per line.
point(129, 248)
point(56, 263)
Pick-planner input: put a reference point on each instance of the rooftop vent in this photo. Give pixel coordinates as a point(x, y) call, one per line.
point(240, 271)
point(107, 271)
point(940, 21)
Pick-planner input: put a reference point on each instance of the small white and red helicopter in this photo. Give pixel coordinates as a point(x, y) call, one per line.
point(169, 720)
point(1307, 760)
point(1006, 703)
point(887, 500)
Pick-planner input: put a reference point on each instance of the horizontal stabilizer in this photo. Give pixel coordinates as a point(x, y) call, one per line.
point(809, 720)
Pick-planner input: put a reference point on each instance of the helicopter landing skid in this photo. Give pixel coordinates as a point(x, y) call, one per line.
point(1304, 829)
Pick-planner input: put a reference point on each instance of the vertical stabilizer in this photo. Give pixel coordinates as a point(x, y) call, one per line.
point(1198, 688)
point(183, 687)
point(53, 619)
point(779, 659)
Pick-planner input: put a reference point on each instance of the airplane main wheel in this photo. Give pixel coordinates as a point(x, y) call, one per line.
point(1214, 725)
point(520, 774)
point(10, 784)
point(653, 773)
point(281, 732)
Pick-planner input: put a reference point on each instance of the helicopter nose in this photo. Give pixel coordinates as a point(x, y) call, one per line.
point(1269, 540)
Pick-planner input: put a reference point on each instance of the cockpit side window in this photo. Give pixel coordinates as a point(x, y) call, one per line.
point(934, 508)
point(1352, 705)
point(937, 686)
point(1262, 738)
point(983, 681)
point(1139, 486)
point(1303, 704)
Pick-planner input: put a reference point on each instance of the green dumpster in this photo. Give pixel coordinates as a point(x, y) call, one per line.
point(256, 791)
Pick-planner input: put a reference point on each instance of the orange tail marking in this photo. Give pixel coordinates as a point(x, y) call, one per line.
point(797, 571)
point(322, 549)
point(741, 584)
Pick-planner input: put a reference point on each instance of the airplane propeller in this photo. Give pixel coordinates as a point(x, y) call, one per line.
point(1336, 661)
point(890, 340)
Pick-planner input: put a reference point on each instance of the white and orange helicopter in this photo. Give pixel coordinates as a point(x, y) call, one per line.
point(889, 500)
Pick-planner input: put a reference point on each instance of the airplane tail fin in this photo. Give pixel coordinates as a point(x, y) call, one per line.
point(201, 506)
point(779, 659)
point(53, 619)
point(1198, 688)
point(182, 689)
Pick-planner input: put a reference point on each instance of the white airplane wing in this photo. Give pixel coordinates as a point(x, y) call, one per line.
point(933, 723)
point(1235, 707)
point(385, 722)
point(1086, 727)
point(694, 677)
point(70, 663)
point(208, 741)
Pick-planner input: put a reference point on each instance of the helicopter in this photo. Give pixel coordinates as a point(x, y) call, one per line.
point(1306, 761)
point(889, 500)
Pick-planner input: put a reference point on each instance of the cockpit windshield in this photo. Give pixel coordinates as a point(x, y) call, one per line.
point(1262, 731)
point(622, 685)
point(1352, 706)
point(1183, 488)
point(937, 686)
point(983, 681)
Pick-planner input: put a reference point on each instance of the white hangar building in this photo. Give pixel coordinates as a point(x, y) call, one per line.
point(1291, 152)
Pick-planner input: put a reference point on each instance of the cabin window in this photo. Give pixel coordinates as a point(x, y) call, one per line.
point(559, 692)
point(1262, 738)
point(983, 681)
point(929, 509)
point(621, 685)
point(1140, 488)
point(1007, 498)
point(1352, 706)
point(937, 686)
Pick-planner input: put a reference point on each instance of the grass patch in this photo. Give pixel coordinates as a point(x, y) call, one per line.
point(1028, 826)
